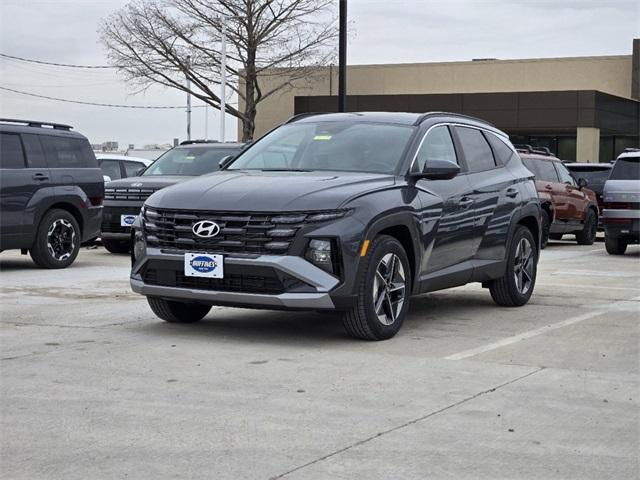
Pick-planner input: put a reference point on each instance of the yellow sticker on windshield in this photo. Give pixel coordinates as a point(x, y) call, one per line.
point(322, 137)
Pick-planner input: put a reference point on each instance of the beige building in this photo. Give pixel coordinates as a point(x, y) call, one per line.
point(582, 108)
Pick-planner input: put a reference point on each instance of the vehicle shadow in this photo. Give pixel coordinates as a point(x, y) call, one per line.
point(308, 328)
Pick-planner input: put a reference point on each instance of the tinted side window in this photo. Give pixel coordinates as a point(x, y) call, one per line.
point(131, 168)
point(501, 151)
point(11, 154)
point(437, 145)
point(542, 169)
point(111, 168)
point(63, 152)
point(476, 149)
point(33, 149)
point(563, 173)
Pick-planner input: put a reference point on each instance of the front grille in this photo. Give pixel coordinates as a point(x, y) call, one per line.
point(270, 285)
point(140, 194)
point(244, 232)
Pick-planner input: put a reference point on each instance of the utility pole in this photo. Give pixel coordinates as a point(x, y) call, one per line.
point(223, 75)
point(188, 99)
point(342, 58)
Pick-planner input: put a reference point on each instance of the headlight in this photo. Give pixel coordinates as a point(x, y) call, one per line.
point(321, 253)
point(139, 247)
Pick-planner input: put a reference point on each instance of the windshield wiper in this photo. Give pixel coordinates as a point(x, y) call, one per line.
point(285, 170)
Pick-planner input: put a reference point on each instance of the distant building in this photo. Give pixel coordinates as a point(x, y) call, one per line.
point(581, 108)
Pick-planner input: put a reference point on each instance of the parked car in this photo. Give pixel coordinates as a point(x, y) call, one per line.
point(567, 206)
point(621, 212)
point(345, 212)
point(596, 174)
point(115, 166)
point(51, 191)
point(124, 197)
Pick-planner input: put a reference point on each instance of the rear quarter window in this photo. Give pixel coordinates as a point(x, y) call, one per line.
point(626, 168)
point(66, 152)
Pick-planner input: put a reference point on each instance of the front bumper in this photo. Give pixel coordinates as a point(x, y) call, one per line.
point(305, 286)
point(113, 210)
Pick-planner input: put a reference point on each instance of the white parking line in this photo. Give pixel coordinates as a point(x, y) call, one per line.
point(533, 333)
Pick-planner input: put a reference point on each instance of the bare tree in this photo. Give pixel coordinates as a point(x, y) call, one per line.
point(167, 42)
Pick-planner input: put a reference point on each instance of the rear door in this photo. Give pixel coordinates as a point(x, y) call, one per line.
point(489, 183)
point(547, 180)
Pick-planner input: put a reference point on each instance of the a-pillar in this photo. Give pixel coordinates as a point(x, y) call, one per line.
point(588, 145)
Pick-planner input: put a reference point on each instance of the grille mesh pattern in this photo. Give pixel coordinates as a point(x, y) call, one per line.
point(140, 194)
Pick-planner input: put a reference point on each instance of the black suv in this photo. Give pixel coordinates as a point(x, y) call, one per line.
point(124, 198)
point(51, 191)
point(352, 212)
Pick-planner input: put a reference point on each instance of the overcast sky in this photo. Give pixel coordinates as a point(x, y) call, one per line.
point(382, 31)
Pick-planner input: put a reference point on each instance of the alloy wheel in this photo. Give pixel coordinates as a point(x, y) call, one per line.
point(61, 239)
point(389, 289)
point(523, 266)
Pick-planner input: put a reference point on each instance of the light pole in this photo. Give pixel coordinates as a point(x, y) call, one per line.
point(223, 75)
point(188, 99)
point(342, 58)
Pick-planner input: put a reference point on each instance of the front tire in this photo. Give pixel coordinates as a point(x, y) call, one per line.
point(587, 235)
point(116, 246)
point(384, 287)
point(57, 240)
point(615, 246)
point(545, 222)
point(177, 312)
point(514, 289)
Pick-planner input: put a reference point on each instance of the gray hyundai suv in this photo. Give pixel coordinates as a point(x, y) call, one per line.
point(621, 214)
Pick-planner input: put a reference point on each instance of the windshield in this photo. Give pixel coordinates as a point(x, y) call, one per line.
point(335, 146)
point(595, 177)
point(626, 168)
point(189, 161)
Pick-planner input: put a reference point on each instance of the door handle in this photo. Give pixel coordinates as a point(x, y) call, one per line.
point(512, 192)
point(466, 202)
point(548, 187)
point(40, 176)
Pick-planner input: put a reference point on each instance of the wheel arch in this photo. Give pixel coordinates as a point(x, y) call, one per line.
point(72, 209)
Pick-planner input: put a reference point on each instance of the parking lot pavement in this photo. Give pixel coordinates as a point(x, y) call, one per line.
point(94, 386)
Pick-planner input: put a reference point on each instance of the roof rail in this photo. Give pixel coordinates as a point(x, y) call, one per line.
point(522, 148)
point(424, 116)
point(300, 116)
point(193, 142)
point(631, 149)
point(36, 123)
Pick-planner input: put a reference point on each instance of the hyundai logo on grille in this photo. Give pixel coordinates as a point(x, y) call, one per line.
point(206, 228)
point(137, 184)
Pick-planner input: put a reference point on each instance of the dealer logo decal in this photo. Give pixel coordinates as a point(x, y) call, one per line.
point(203, 264)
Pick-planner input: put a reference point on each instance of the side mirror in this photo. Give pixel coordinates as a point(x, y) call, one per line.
point(106, 178)
point(140, 170)
point(225, 161)
point(439, 170)
point(582, 183)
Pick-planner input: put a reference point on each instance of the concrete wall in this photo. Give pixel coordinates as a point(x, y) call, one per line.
point(609, 74)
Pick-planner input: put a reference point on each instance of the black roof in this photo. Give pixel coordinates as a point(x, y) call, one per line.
point(37, 127)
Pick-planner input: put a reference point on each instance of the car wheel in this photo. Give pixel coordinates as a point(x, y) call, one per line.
point(57, 240)
point(587, 235)
point(516, 286)
point(384, 287)
point(545, 222)
point(116, 246)
point(177, 312)
point(615, 246)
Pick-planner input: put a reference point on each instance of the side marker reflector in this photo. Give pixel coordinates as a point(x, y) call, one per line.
point(365, 247)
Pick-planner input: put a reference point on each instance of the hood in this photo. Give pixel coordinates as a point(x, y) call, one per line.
point(150, 181)
point(248, 190)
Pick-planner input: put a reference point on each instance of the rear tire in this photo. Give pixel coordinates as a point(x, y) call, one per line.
point(177, 312)
point(383, 288)
point(587, 235)
point(514, 289)
point(57, 240)
point(116, 246)
point(615, 246)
